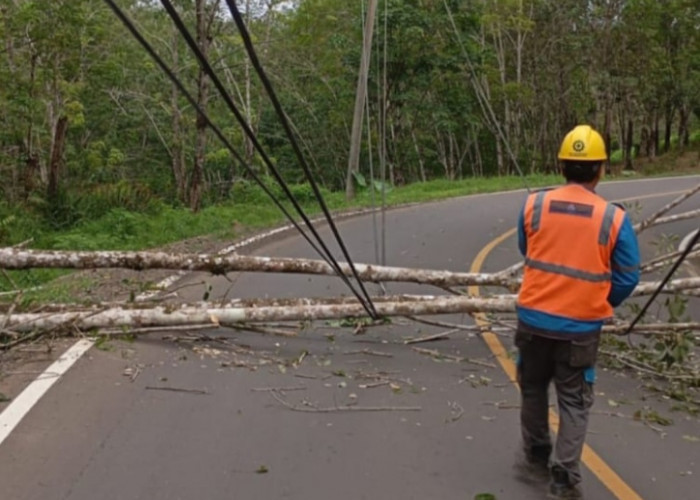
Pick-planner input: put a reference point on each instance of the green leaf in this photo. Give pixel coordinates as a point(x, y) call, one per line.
point(360, 179)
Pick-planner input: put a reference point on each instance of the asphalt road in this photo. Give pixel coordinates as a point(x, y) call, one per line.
point(355, 416)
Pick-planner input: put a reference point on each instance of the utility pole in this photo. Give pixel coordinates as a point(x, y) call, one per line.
point(360, 96)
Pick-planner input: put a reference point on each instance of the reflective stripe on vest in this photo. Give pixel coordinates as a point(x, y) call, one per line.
point(537, 210)
point(605, 228)
point(571, 233)
point(568, 271)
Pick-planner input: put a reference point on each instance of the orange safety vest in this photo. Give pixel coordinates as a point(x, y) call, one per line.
point(571, 233)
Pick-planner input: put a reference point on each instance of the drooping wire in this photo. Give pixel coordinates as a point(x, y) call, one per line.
point(132, 29)
point(206, 66)
point(137, 35)
point(661, 286)
point(245, 36)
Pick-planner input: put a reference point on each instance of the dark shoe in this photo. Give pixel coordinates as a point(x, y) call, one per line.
point(561, 487)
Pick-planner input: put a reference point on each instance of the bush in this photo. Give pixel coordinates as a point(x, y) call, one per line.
point(96, 201)
point(616, 156)
point(249, 192)
point(695, 138)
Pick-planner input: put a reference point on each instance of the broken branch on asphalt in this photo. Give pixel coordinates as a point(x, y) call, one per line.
point(655, 218)
point(308, 408)
point(451, 357)
point(176, 389)
point(245, 312)
point(19, 326)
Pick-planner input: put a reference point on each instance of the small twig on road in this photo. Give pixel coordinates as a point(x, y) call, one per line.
point(261, 329)
point(438, 355)
point(342, 408)
point(370, 352)
point(117, 332)
point(132, 373)
point(474, 329)
point(456, 412)
point(444, 324)
point(431, 338)
point(374, 384)
point(176, 389)
point(644, 368)
point(278, 389)
point(502, 405)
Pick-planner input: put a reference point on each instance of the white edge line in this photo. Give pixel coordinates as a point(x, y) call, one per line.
point(20, 406)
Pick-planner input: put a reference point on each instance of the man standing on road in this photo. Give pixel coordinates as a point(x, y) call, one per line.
point(581, 260)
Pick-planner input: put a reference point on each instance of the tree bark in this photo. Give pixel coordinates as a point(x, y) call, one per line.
point(629, 139)
point(59, 144)
point(683, 129)
point(670, 113)
point(235, 312)
point(178, 151)
point(17, 258)
point(255, 311)
point(203, 42)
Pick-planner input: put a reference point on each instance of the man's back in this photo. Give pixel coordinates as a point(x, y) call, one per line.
point(569, 237)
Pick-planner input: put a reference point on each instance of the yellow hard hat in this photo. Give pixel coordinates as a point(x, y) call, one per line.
point(583, 144)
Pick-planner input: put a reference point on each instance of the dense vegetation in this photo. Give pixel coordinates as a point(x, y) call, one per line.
point(90, 127)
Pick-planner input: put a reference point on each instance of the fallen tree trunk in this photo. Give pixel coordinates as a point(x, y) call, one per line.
point(668, 219)
point(655, 218)
point(234, 312)
point(679, 285)
point(667, 260)
point(263, 311)
point(15, 258)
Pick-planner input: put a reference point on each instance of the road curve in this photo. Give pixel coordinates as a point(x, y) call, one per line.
point(352, 416)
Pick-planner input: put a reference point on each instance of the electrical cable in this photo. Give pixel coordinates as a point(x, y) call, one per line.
point(238, 18)
point(134, 31)
point(129, 25)
point(673, 269)
point(206, 66)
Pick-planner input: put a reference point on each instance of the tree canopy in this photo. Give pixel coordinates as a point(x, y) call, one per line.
point(88, 122)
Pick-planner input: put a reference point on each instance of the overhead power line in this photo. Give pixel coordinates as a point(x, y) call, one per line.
point(207, 68)
point(686, 251)
point(147, 46)
point(238, 18)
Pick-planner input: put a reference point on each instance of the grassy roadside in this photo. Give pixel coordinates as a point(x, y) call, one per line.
point(249, 210)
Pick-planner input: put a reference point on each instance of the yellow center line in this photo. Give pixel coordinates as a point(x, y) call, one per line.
point(590, 458)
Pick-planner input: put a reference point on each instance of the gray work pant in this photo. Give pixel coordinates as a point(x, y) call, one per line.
point(543, 360)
